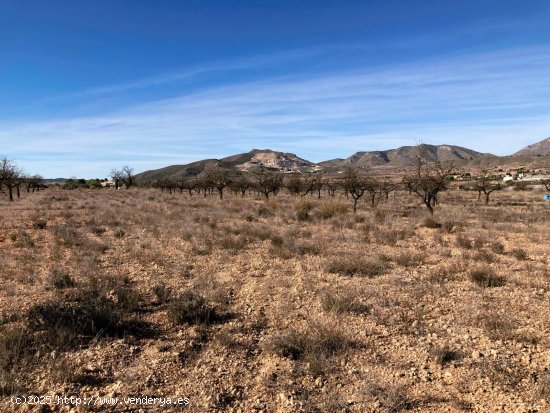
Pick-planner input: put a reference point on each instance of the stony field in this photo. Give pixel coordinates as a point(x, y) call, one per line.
point(292, 305)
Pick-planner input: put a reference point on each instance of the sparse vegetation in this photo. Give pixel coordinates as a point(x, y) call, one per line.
point(60, 279)
point(191, 308)
point(313, 346)
point(163, 286)
point(485, 277)
point(357, 266)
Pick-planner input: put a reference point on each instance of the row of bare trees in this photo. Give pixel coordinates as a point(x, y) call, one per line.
point(268, 182)
point(216, 179)
point(426, 180)
point(12, 178)
point(124, 176)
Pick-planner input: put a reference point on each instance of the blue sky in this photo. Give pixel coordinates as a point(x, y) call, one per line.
point(86, 86)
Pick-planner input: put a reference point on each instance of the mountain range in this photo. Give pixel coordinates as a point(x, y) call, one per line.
point(388, 160)
point(541, 148)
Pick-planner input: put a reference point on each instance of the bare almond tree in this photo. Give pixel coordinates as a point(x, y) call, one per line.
point(375, 190)
point(217, 177)
point(117, 176)
point(187, 184)
point(10, 175)
point(128, 176)
point(268, 182)
point(240, 184)
point(354, 185)
point(387, 188)
point(487, 186)
point(428, 179)
point(313, 184)
point(295, 184)
point(33, 182)
point(546, 183)
point(331, 186)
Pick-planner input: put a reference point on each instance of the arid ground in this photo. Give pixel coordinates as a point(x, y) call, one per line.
point(291, 305)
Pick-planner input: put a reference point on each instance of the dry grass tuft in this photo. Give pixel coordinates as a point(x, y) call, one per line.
point(358, 266)
point(191, 308)
point(486, 277)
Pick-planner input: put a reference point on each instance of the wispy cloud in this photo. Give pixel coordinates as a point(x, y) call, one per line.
point(493, 101)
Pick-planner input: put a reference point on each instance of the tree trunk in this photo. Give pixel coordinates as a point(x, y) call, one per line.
point(429, 206)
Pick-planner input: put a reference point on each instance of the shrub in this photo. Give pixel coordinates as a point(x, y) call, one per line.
point(445, 355)
point(233, 244)
point(430, 222)
point(60, 279)
point(118, 232)
point(25, 240)
point(318, 340)
point(443, 274)
point(40, 224)
point(97, 230)
point(162, 293)
point(127, 298)
point(277, 241)
point(331, 208)
point(289, 246)
point(291, 344)
point(264, 212)
point(449, 226)
point(393, 398)
point(391, 236)
point(86, 314)
point(543, 387)
point(479, 242)
point(344, 301)
point(357, 266)
point(379, 216)
point(66, 236)
point(303, 208)
point(484, 256)
point(409, 259)
point(519, 254)
point(191, 308)
point(485, 277)
point(463, 242)
point(497, 326)
point(497, 247)
point(66, 324)
point(303, 248)
point(302, 215)
point(16, 348)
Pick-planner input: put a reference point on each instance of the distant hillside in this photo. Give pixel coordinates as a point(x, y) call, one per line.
point(179, 171)
point(248, 161)
point(405, 156)
point(272, 159)
point(390, 161)
point(541, 148)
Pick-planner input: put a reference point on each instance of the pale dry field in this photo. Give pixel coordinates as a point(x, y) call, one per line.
point(294, 305)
